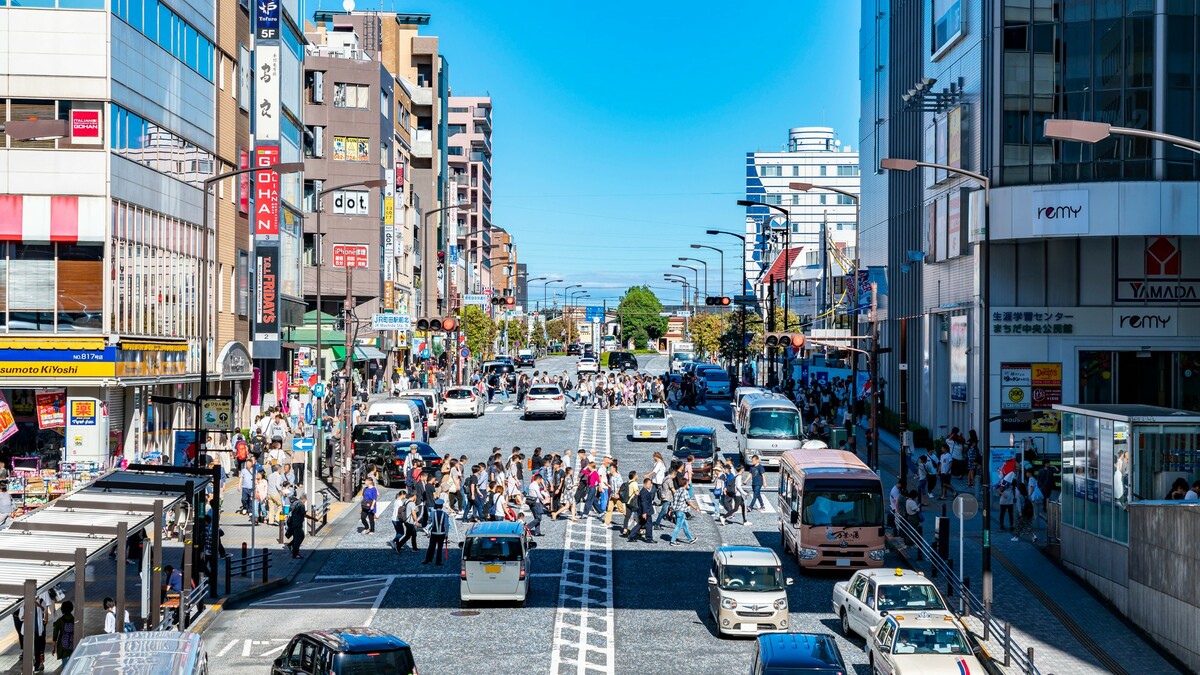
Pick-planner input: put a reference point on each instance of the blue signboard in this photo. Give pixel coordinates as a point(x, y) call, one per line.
point(308, 413)
point(318, 390)
point(594, 314)
point(266, 19)
point(302, 445)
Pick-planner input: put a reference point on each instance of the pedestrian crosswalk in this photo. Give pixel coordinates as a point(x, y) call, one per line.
point(513, 407)
point(707, 503)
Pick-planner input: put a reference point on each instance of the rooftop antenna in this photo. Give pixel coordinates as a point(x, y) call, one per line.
point(348, 5)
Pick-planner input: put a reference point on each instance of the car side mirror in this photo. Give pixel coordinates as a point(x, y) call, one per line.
point(532, 545)
point(670, 447)
point(712, 581)
point(462, 544)
point(279, 662)
point(886, 649)
point(789, 581)
point(795, 517)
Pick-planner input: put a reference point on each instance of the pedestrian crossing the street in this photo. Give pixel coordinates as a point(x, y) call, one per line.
point(514, 408)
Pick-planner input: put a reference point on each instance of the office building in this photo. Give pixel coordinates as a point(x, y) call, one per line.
point(469, 157)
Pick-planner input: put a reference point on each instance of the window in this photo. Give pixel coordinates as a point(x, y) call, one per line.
point(350, 149)
point(773, 199)
point(452, 129)
point(385, 106)
point(349, 95)
point(138, 140)
point(772, 171)
point(847, 170)
point(163, 26)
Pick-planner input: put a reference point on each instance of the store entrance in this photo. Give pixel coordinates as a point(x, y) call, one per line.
point(1145, 378)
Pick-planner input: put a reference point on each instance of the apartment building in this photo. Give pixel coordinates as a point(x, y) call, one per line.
point(469, 158)
point(504, 263)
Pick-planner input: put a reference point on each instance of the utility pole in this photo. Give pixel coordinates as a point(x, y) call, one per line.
point(873, 445)
point(772, 378)
point(904, 435)
point(348, 408)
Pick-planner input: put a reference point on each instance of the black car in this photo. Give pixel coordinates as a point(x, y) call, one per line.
point(788, 653)
point(574, 349)
point(343, 652)
point(372, 439)
point(391, 461)
point(525, 359)
point(622, 361)
point(501, 369)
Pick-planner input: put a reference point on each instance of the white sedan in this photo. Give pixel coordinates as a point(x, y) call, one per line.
point(921, 644)
point(463, 401)
point(860, 602)
point(547, 400)
point(651, 421)
point(587, 364)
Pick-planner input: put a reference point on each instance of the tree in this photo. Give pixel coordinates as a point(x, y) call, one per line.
point(705, 332)
point(537, 337)
point(639, 337)
point(557, 328)
point(639, 311)
point(480, 331)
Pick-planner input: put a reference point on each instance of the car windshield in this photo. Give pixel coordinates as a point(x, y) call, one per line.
point(930, 641)
point(372, 434)
point(420, 403)
point(909, 596)
point(492, 548)
point(751, 578)
point(545, 391)
point(774, 424)
point(842, 508)
point(651, 413)
point(699, 445)
point(459, 393)
point(716, 375)
point(402, 422)
point(399, 661)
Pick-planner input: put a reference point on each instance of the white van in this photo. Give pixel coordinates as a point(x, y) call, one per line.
point(770, 425)
point(139, 652)
point(433, 404)
point(739, 394)
point(403, 414)
point(495, 563)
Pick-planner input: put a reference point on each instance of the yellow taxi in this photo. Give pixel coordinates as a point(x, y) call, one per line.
point(922, 642)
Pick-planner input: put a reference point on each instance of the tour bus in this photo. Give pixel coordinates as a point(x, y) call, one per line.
point(769, 425)
point(830, 510)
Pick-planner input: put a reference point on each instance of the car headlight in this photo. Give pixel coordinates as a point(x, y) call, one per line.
point(808, 553)
point(781, 603)
point(728, 603)
point(876, 555)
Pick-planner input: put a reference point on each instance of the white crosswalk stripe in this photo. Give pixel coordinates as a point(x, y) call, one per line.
point(706, 501)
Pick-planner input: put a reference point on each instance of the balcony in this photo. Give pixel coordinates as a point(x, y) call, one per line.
point(483, 116)
point(422, 95)
point(483, 145)
point(483, 159)
point(422, 144)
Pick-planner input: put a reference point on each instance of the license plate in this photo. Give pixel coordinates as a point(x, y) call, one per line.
point(843, 562)
point(645, 434)
point(495, 569)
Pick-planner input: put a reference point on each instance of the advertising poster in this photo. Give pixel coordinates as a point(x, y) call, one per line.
point(8, 425)
point(83, 413)
point(954, 224)
point(954, 150)
point(266, 297)
point(1030, 387)
point(958, 359)
point(940, 174)
point(266, 193)
point(52, 409)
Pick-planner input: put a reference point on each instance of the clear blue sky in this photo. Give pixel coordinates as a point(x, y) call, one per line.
point(620, 128)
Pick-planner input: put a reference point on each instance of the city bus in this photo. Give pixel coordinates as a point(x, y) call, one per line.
point(831, 509)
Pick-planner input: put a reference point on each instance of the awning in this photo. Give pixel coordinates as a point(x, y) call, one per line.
point(52, 343)
point(361, 353)
point(308, 336)
point(369, 352)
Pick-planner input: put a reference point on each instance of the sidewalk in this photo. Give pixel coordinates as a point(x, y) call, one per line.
point(1069, 629)
point(102, 576)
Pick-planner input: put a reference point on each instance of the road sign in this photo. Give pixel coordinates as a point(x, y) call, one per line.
point(308, 413)
point(216, 414)
point(683, 313)
point(965, 506)
point(388, 321)
point(475, 299)
point(487, 292)
point(303, 445)
point(352, 255)
point(318, 390)
point(745, 300)
point(591, 314)
point(466, 353)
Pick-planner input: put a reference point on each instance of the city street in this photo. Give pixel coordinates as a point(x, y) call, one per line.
point(654, 619)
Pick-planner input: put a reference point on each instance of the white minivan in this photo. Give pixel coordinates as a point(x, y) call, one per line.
point(769, 425)
point(403, 414)
point(495, 563)
point(433, 404)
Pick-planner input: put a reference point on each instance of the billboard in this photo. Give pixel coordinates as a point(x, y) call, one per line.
point(266, 310)
point(958, 358)
point(266, 193)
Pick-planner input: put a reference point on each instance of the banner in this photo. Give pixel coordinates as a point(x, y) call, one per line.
point(266, 193)
point(8, 425)
point(266, 297)
point(52, 409)
point(281, 390)
point(958, 358)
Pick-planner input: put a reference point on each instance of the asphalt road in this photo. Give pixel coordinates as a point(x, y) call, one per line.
point(622, 607)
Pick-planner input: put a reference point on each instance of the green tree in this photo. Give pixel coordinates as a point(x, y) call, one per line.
point(480, 330)
point(705, 332)
point(538, 337)
point(637, 313)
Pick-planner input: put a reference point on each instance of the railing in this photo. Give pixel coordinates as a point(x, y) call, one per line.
point(247, 564)
point(1053, 522)
point(320, 514)
point(182, 609)
point(969, 604)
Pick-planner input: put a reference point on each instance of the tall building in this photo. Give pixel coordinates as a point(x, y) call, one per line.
point(102, 224)
point(469, 155)
point(504, 263)
point(812, 155)
point(1090, 245)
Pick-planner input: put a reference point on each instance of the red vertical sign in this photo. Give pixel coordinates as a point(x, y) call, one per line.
point(266, 192)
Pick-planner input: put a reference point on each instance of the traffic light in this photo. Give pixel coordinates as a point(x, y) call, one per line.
point(718, 301)
point(510, 301)
point(435, 324)
point(785, 340)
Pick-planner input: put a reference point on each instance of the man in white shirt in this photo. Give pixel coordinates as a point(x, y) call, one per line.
point(945, 461)
point(894, 503)
point(274, 494)
point(538, 500)
point(110, 616)
point(1191, 496)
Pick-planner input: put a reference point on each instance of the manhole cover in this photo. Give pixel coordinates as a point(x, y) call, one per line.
point(465, 612)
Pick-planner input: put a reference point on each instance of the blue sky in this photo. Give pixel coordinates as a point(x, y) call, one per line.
point(620, 128)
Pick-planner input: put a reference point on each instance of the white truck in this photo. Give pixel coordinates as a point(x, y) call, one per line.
point(677, 353)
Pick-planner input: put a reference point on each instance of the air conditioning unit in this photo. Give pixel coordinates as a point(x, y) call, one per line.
point(318, 87)
point(318, 141)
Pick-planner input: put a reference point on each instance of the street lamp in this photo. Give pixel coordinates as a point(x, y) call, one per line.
point(203, 305)
point(722, 253)
point(680, 279)
point(985, 312)
point(702, 262)
point(806, 187)
point(545, 286)
point(695, 286)
point(787, 245)
point(741, 306)
point(1093, 132)
point(430, 311)
point(319, 246)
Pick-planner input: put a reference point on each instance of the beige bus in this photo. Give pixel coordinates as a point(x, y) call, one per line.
point(831, 509)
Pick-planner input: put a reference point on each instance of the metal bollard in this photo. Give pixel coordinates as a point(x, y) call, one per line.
point(1007, 643)
point(245, 557)
point(229, 574)
point(266, 564)
point(1029, 655)
point(281, 535)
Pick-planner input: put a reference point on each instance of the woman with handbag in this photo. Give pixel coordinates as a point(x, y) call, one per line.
point(370, 496)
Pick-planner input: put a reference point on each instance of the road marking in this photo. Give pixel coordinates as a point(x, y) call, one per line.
point(584, 639)
point(378, 601)
point(706, 502)
point(350, 593)
point(229, 646)
point(248, 646)
point(410, 575)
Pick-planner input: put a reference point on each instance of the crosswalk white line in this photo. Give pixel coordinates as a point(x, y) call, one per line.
point(706, 502)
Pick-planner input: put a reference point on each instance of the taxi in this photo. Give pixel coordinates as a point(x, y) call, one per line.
point(922, 642)
point(869, 595)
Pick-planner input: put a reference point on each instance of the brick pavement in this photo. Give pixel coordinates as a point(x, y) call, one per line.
point(1071, 631)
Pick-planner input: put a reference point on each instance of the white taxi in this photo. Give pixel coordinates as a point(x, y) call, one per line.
point(651, 421)
point(860, 602)
point(587, 364)
point(545, 400)
point(922, 642)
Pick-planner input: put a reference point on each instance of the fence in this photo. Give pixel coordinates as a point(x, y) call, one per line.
point(248, 564)
point(319, 518)
point(969, 604)
point(1053, 522)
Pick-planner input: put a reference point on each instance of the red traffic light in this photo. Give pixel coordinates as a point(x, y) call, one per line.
point(449, 324)
point(717, 301)
point(510, 301)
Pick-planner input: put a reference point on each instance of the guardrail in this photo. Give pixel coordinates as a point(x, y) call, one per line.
point(319, 518)
point(969, 604)
point(248, 564)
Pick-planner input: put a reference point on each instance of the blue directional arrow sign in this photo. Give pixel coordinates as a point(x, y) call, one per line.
point(302, 445)
point(308, 413)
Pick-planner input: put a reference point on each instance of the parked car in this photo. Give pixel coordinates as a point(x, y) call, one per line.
point(345, 651)
point(862, 602)
point(651, 421)
point(797, 654)
point(545, 400)
point(463, 401)
point(374, 439)
point(699, 443)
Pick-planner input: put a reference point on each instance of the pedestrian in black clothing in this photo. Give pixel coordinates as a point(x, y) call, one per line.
point(645, 521)
point(295, 524)
point(439, 524)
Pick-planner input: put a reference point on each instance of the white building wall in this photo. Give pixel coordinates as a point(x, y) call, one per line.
point(54, 53)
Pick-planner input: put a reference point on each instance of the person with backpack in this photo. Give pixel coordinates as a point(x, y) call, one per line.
point(1024, 508)
point(110, 618)
point(735, 491)
point(538, 499)
point(295, 524)
point(629, 498)
point(64, 632)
